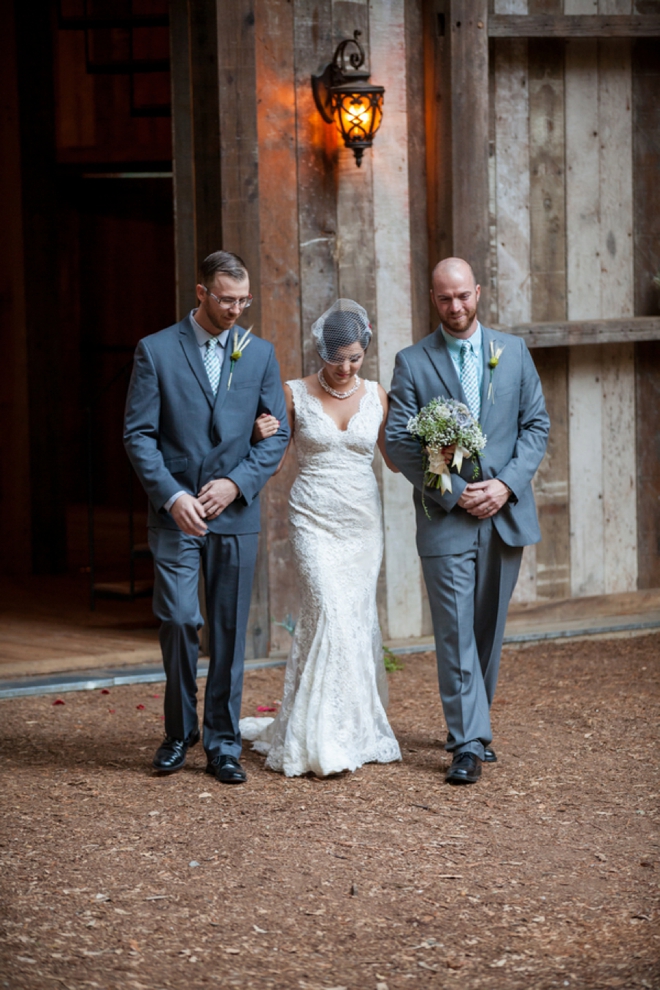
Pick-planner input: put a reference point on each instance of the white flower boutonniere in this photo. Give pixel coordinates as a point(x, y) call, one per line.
point(239, 347)
point(493, 361)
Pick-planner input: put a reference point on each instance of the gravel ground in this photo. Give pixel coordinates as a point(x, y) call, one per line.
point(544, 874)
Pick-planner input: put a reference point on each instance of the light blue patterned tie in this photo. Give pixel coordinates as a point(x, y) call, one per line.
point(469, 378)
point(212, 363)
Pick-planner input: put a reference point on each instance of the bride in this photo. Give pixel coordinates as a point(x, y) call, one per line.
point(332, 716)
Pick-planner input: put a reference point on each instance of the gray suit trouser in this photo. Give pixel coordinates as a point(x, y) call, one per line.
point(469, 595)
point(228, 563)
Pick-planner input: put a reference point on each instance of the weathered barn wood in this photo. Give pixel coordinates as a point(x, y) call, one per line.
point(525, 139)
point(469, 137)
point(416, 139)
point(183, 160)
point(510, 199)
point(548, 276)
point(438, 122)
point(511, 110)
point(576, 98)
point(239, 146)
point(316, 144)
point(196, 141)
point(239, 157)
point(280, 274)
point(580, 26)
point(394, 292)
point(574, 332)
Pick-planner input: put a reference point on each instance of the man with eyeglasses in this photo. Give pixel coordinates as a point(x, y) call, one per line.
point(191, 406)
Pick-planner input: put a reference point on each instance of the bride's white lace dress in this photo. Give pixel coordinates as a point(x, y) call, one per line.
point(332, 716)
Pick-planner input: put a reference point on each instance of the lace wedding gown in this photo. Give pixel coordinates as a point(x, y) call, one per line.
point(335, 686)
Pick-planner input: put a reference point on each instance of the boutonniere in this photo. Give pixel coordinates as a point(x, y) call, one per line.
point(237, 353)
point(493, 361)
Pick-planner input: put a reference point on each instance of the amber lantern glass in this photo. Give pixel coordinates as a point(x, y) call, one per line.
point(358, 111)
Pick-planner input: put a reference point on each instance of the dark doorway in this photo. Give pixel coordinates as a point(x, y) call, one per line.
point(89, 263)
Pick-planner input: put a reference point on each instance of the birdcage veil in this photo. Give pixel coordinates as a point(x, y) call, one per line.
point(345, 323)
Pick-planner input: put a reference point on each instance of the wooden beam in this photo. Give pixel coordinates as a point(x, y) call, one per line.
point(419, 246)
point(437, 113)
point(195, 142)
point(316, 145)
point(239, 163)
point(182, 158)
point(579, 332)
point(280, 276)
point(469, 138)
point(574, 26)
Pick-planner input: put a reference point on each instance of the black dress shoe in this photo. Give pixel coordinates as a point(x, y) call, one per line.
point(227, 770)
point(171, 754)
point(489, 754)
point(465, 769)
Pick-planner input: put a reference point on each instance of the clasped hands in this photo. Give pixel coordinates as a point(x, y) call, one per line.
point(481, 499)
point(190, 513)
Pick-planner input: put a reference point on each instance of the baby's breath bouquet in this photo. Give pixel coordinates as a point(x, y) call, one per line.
point(443, 423)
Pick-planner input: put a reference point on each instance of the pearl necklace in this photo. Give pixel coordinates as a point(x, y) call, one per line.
point(331, 391)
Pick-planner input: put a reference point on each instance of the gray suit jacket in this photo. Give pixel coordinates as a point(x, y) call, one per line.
point(178, 435)
point(516, 425)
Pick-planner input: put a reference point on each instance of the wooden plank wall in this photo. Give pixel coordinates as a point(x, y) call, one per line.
point(600, 281)
point(529, 211)
point(329, 229)
point(394, 288)
point(280, 271)
point(562, 198)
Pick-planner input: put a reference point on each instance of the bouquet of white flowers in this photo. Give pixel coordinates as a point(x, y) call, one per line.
point(445, 423)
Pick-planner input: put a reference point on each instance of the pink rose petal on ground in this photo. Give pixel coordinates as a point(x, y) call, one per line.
point(140, 708)
point(155, 696)
point(58, 701)
point(265, 708)
point(111, 711)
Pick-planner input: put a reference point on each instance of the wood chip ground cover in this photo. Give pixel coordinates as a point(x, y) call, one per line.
point(543, 875)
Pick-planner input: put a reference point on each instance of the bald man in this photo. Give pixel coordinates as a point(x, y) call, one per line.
point(471, 545)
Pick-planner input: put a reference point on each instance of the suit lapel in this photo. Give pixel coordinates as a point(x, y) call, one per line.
point(486, 403)
point(438, 352)
point(194, 358)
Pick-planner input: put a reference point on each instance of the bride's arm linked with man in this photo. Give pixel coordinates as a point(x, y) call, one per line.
point(208, 423)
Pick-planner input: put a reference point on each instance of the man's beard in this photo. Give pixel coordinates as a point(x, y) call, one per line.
point(218, 326)
point(465, 320)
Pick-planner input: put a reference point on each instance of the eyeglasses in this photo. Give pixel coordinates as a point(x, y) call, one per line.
point(226, 302)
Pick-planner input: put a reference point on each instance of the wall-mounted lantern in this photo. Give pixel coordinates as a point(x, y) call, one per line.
point(346, 97)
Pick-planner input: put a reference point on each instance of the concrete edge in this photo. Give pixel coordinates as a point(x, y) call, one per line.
point(94, 681)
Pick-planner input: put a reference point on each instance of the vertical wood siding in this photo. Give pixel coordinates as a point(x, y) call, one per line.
point(394, 295)
point(280, 275)
point(563, 205)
